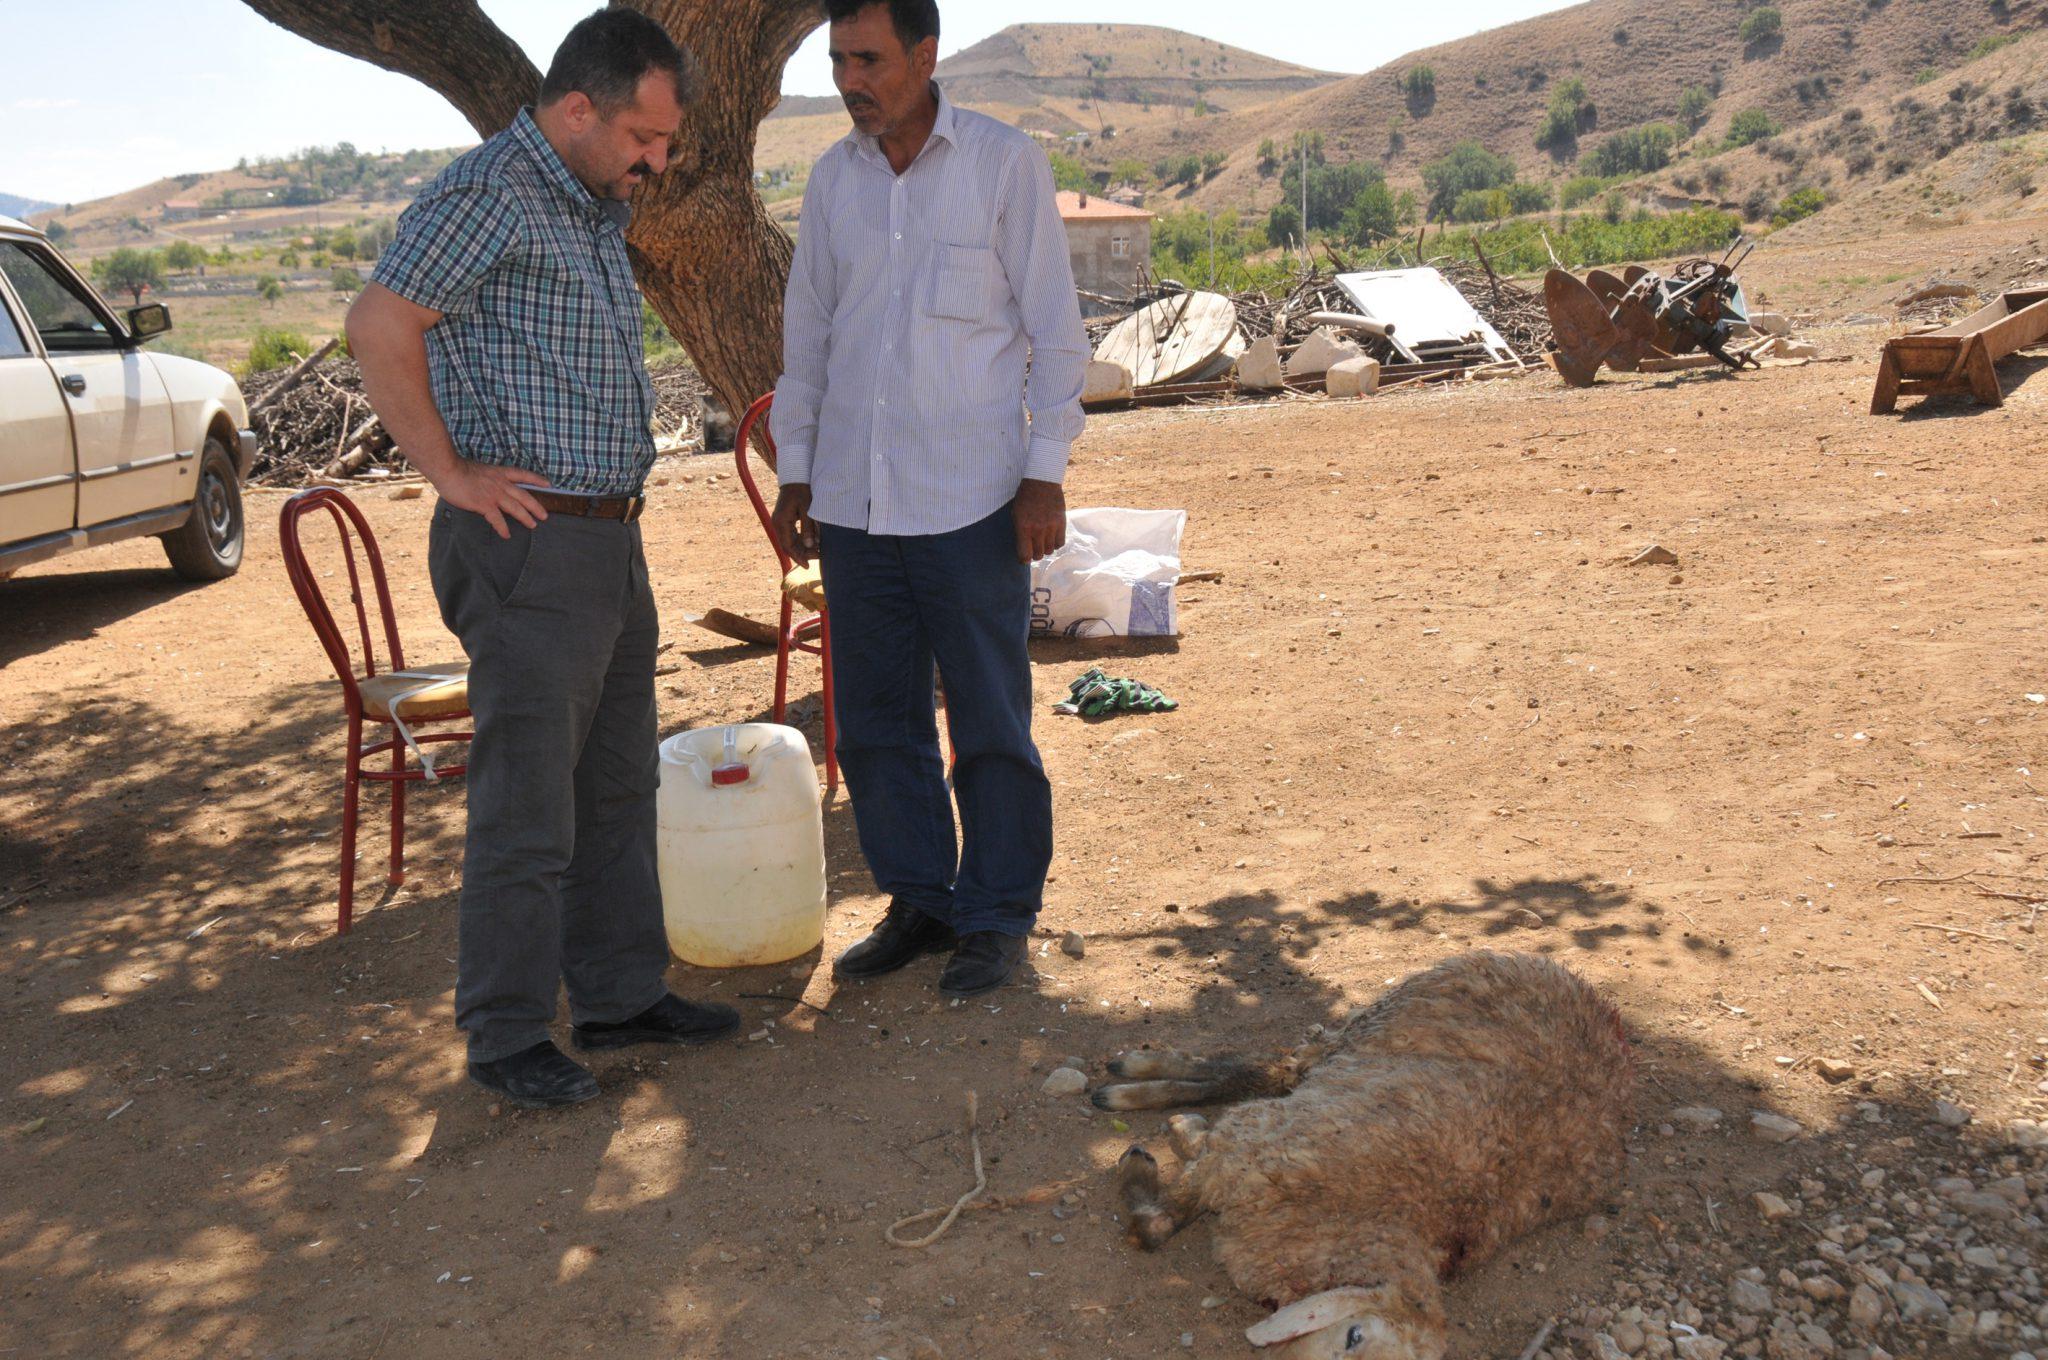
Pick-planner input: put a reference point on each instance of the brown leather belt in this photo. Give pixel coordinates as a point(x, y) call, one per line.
point(626, 508)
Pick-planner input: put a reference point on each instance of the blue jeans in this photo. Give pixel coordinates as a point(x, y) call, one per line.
point(962, 599)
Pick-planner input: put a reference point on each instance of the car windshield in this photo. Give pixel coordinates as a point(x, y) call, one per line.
point(64, 319)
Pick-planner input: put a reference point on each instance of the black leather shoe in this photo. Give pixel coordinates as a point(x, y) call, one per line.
point(670, 1020)
point(982, 963)
point(903, 935)
point(535, 1078)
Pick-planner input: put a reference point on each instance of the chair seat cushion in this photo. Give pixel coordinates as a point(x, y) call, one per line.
point(805, 588)
point(449, 699)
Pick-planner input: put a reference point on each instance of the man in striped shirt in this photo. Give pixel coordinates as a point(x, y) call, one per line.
point(930, 264)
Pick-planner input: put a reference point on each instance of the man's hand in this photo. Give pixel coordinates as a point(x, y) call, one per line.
point(491, 491)
point(794, 528)
point(1041, 514)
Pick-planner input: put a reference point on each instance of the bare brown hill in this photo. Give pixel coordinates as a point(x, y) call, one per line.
point(1140, 65)
point(1635, 58)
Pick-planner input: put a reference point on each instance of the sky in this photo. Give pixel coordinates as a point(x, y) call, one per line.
point(98, 96)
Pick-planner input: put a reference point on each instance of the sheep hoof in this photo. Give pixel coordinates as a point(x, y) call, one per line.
point(1187, 1133)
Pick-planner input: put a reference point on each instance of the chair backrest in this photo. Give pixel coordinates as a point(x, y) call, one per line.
point(351, 530)
point(754, 429)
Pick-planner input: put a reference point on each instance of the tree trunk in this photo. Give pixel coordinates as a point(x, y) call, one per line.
point(704, 251)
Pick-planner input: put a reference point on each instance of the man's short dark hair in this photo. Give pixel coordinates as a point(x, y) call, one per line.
point(915, 20)
point(606, 56)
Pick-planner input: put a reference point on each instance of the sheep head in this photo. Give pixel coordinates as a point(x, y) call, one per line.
point(1374, 1323)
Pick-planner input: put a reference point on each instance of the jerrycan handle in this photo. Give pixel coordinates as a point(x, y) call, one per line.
point(730, 768)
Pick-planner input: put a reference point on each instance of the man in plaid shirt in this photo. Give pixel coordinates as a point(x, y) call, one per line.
point(500, 344)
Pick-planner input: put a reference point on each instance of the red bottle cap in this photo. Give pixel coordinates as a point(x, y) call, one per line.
point(730, 774)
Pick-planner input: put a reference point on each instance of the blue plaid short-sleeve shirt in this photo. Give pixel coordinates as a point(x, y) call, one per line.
point(537, 362)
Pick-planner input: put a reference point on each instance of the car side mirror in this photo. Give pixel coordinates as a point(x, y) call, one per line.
point(145, 322)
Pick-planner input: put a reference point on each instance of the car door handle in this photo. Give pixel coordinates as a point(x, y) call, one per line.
point(74, 383)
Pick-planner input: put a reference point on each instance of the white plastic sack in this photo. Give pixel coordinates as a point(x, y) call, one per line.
point(1114, 577)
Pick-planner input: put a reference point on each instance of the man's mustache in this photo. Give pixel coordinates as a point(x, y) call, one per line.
point(855, 104)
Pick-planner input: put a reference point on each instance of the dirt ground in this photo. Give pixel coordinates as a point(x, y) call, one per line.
point(1425, 710)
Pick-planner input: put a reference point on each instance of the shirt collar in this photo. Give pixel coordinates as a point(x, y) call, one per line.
point(553, 169)
point(943, 126)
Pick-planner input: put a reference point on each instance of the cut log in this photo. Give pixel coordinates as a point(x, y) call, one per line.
point(736, 626)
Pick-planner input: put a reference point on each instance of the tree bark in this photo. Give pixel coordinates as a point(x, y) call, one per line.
point(706, 256)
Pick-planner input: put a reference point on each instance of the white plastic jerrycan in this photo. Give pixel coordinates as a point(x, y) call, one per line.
point(741, 845)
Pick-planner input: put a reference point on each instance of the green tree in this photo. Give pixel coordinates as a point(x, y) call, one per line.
point(1283, 224)
point(1067, 173)
point(1372, 215)
point(342, 245)
point(131, 271)
point(58, 233)
point(1571, 113)
point(1467, 166)
point(1333, 190)
point(1752, 125)
point(269, 289)
point(183, 255)
point(287, 258)
point(1636, 151)
point(1418, 86)
point(345, 280)
point(1762, 25)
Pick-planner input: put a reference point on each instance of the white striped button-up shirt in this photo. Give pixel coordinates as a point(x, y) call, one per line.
point(912, 303)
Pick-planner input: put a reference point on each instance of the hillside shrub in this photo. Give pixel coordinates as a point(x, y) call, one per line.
point(1991, 44)
point(1798, 204)
point(1693, 103)
point(272, 348)
point(1752, 125)
point(1580, 190)
point(1762, 25)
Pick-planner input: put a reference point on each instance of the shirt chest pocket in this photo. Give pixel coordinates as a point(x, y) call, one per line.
point(963, 281)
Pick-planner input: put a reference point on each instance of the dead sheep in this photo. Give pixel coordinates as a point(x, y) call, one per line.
point(1471, 1104)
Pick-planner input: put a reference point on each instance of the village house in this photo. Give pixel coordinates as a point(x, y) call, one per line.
point(1107, 242)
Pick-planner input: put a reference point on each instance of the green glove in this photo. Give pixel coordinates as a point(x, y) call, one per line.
point(1096, 693)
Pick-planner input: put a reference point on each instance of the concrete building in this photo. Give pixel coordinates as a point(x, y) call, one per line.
point(1108, 244)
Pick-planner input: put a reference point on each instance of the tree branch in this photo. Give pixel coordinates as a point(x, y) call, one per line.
point(450, 46)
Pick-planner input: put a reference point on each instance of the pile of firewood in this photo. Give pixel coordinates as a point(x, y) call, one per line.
point(314, 424)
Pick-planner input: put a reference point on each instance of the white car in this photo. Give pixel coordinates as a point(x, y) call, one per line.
point(101, 440)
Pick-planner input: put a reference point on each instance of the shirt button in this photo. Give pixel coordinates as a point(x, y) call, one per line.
point(899, 235)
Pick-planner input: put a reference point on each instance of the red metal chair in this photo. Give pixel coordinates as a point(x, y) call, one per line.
point(800, 586)
point(396, 696)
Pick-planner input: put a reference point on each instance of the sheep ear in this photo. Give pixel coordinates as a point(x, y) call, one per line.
point(1312, 1314)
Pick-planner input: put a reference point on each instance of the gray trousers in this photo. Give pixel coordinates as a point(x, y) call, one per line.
point(558, 874)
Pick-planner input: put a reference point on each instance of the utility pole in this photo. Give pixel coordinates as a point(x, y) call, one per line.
point(1212, 249)
point(1302, 138)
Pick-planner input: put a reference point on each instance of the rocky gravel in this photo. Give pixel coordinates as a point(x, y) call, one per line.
point(1908, 1233)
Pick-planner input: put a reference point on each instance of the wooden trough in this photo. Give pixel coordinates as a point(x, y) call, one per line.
point(1961, 359)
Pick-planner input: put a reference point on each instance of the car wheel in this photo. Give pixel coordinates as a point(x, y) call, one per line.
point(208, 546)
